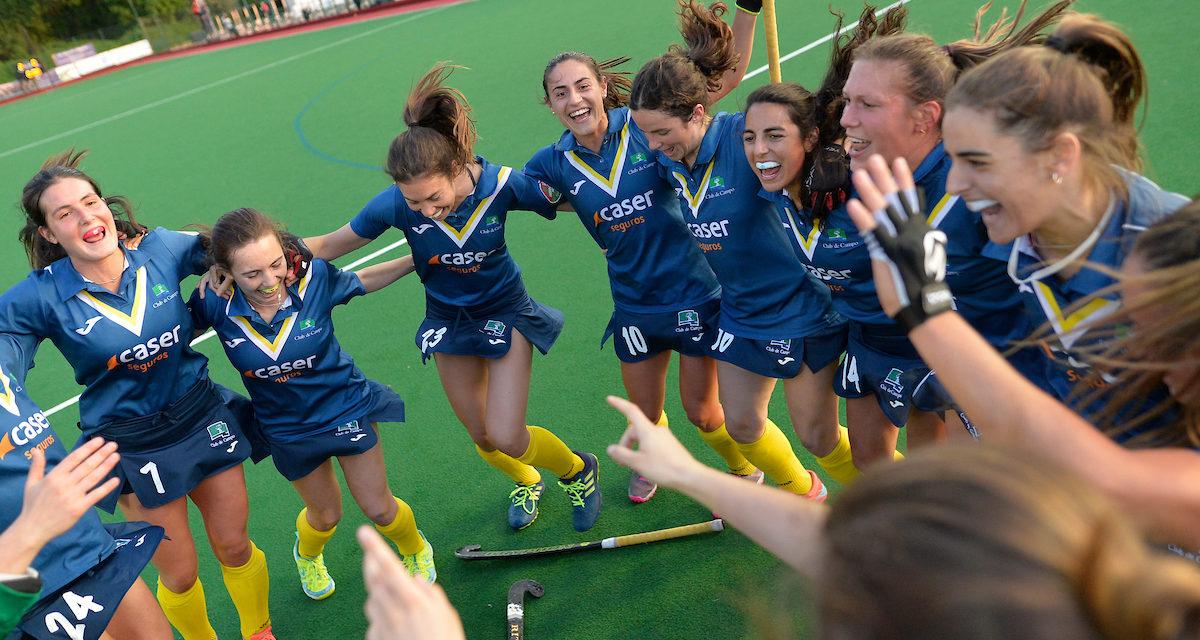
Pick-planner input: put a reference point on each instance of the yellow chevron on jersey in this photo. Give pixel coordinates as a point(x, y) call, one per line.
point(808, 244)
point(273, 347)
point(460, 237)
point(694, 200)
point(8, 399)
point(1067, 326)
point(131, 321)
point(940, 210)
point(612, 182)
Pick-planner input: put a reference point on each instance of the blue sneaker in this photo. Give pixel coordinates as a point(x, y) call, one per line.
point(583, 489)
point(523, 509)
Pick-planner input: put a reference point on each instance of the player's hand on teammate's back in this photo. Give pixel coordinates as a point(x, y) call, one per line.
point(400, 607)
point(55, 501)
point(659, 456)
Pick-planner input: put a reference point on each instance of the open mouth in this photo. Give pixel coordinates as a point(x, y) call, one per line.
point(94, 235)
point(857, 146)
point(579, 115)
point(987, 209)
point(768, 171)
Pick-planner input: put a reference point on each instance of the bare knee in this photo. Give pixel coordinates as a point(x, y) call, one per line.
point(231, 548)
point(512, 442)
point(705, 415)
point(177, 574)
point(323, 518)
point(745, 429)
point(381, 512)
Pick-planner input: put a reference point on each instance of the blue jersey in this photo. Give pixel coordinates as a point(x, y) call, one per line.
point(835, 255)
point(765, 291)
point(462, 260)
point(1048, 298)
point(84, 545)
point(983, 293)
point(633, 214)
point(130, 349)
point(298, 377)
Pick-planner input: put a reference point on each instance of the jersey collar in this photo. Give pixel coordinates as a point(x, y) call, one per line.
point(68, 281)
point(933, 160)
point(483, 188)
point(1102, 247)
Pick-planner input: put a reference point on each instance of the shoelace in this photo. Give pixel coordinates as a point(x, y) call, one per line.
point(312, 568)
point(524, 496)
point(575, 491)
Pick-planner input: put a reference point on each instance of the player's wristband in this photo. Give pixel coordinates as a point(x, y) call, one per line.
point(750, 6)
point(935, 298)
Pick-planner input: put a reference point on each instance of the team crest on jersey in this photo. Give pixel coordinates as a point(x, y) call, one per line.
point(348, 428)
point(781, 347)
point(159, 289)
point(835, 233)
point(307, 324)
point(493, 219)
point(494, 328)
point(689, 320)
point(637, 158)
point(551, 194)
point(891, 383)
point(716, 181)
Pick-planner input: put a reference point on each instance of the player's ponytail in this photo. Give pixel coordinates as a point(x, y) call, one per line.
point(42, 252)
point(618, 82)
point(441, 135)
point(677, 81)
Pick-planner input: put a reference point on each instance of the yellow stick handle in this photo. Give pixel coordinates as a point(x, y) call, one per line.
point(667, 534)
point(768, 13)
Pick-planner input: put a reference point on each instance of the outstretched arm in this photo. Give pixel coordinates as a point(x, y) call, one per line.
point(378, 276)
point(336, 244)
point(1159, 487)
point(743, 40)
point(784, 524)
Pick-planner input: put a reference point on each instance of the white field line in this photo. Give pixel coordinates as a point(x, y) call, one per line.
point(208, 334)
point(217, 83)
point(820, 41)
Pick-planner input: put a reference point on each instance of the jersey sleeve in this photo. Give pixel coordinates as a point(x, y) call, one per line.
point(542, 167)
point(378, 215)
point(187, 247)
point(22, 319)
point(343, 285)
point(534, 195)
point(202, 310)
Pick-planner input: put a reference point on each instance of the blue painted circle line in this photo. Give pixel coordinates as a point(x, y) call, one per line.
point(308, 144)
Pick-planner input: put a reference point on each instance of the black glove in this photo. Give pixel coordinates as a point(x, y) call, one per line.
point(296, 254)
point(915, 254)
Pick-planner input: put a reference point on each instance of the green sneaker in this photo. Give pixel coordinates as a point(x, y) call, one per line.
point(420, 564)
point(314, 577)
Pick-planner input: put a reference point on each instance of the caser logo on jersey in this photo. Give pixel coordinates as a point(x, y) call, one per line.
point(626, 207)
point(140, 357)
point(281, 369)
point(459, 259)
point(24, 433)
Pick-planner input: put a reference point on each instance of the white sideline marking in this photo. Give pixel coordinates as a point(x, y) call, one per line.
point(208, 334)
point(820, 41)
point(217, 83)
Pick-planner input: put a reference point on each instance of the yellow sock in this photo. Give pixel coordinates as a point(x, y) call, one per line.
point(548, 452)
point(187, 611)
point(662, 420)
point(520, 472)
point(773, 454)
point(896, 455)
point(312, 541)
point(248, 587)
point(402, 530)
point(727, 448)
point(839, 464)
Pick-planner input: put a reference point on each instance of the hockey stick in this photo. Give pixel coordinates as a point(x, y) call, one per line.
point(472, 551)
point(516, 606)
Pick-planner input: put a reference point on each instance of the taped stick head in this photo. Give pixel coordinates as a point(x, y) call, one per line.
point(517, 591)
point(467, 551)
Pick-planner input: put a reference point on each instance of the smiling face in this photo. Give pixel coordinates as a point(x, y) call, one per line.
point(78, 220)
point(997, 177)
point(576, 97)
point(880, 118)
point(259, 269)
point(774, 145)
point(431, 194)
point(676, 138)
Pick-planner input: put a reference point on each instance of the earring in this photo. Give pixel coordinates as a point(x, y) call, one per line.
point(1055, 178)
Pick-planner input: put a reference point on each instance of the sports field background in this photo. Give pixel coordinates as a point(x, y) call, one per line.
point(297, 127)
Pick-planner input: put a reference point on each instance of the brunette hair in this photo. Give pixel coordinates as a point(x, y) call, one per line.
point(1088, 80)
point(682, 78)
point(441, 134)
point(618, 81)
point(978, 541)
point(237, 229)
point(41, 252)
